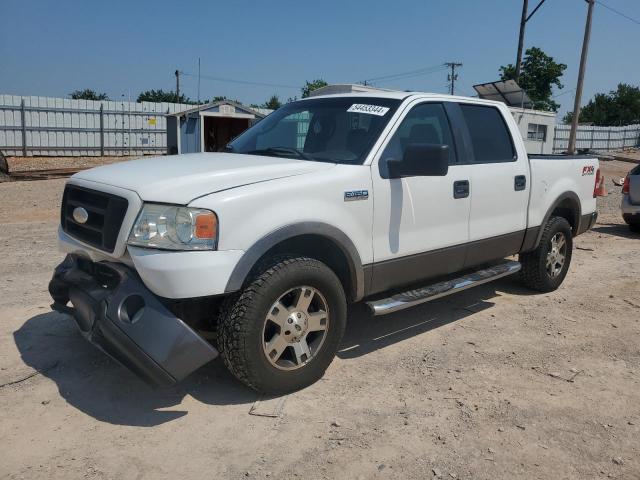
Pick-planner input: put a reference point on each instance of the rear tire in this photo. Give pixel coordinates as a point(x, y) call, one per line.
point(544, 268)
point(283, 330)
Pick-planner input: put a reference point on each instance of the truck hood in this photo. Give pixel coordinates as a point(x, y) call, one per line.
point(180, 179)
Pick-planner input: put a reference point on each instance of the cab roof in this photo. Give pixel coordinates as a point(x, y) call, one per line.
point(399, 95)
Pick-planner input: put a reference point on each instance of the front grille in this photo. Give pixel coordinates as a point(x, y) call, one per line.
point(106, 213)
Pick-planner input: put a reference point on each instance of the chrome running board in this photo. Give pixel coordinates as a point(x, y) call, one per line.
point(403, 300)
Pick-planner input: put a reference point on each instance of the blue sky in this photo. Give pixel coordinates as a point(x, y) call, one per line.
point(50, 48)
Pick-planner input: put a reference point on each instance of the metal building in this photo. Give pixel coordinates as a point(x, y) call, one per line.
point(208, 128)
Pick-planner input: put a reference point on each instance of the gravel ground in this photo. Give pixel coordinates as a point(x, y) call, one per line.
point(495, 382)
point(25, 164)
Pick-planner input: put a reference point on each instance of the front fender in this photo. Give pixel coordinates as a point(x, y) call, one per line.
point(266, 243)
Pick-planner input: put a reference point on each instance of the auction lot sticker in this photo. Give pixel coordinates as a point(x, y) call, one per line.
point(370, 109)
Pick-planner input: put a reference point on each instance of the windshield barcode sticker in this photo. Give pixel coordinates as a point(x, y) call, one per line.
point(370, 109)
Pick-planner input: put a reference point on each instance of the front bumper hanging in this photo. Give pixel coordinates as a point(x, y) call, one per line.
point(117, 313)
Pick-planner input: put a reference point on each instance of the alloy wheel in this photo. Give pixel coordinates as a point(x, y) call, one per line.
point(557, 255)
point(295, 328)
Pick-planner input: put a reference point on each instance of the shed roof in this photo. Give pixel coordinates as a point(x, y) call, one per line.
point(212, 105)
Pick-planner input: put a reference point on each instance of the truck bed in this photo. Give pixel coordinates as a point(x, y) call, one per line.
point(559, 156)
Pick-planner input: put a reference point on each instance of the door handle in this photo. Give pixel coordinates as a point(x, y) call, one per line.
point(520, 182)
point(461, 189)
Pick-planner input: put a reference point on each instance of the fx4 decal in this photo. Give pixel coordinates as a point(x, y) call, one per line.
point(356, 195)
point(588, 170)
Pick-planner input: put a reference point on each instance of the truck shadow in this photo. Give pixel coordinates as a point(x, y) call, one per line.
point(99, 387)
point(366, 333)
point(616, 229)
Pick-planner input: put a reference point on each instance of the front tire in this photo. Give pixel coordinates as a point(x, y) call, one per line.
point(634, 227)
point(283, 330)
point(544, 268)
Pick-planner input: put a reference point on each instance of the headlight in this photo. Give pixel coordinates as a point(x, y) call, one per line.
point(175, 228)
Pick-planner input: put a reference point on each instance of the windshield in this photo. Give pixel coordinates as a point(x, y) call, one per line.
point(337, 130)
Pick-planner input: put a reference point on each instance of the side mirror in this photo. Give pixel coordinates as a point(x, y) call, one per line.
point(421, 160)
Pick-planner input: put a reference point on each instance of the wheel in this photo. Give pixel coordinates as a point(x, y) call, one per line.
point(634, 227)
point(544, 268)
point(283, 330)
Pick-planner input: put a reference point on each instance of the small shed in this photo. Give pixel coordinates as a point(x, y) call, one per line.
point(209, 127)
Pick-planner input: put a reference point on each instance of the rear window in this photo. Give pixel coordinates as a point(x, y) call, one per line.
point(490, 137)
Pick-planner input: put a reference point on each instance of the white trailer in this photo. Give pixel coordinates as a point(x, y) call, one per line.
point(537, 129)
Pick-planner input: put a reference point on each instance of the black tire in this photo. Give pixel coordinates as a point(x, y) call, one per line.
point(242, 320)
point(634, 227)
point(534, 271)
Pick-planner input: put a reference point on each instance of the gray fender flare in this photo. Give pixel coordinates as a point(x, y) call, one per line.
point(262, 246)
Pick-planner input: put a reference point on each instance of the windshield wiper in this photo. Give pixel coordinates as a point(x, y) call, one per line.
point(276, 150)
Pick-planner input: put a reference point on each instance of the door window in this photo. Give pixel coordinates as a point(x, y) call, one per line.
point(490, 138)
point(425, 123)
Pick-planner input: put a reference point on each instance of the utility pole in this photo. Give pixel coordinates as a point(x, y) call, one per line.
point(523, 22)
point(198, 79)
point(583, 65)
point(177, 86)
point(452, 77)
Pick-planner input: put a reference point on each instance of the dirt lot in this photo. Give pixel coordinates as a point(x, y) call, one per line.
point(496, 382)
point(25, 164)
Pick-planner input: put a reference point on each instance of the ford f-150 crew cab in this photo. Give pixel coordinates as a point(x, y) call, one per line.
point(254, 252)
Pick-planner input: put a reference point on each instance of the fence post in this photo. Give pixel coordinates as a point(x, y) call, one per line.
point(609, 139)
point(23, 121)
point(593, 130)
point(102, 130)
point(624, 138)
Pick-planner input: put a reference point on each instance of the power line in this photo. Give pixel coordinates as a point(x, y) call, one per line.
point(395, 79)
point(564, 93)
point(402, 75)
point(618, 12)
point(242, 82)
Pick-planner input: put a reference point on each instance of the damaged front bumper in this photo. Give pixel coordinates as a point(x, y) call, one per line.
point(117, 313)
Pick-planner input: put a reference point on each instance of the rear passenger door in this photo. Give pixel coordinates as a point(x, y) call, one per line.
point(499, 184)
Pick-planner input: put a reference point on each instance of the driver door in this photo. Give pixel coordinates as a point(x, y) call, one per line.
point(421, 224)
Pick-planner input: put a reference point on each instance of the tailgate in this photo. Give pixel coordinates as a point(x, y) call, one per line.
point(634, 189)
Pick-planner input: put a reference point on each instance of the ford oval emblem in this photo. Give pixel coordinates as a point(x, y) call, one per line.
point(80, 215)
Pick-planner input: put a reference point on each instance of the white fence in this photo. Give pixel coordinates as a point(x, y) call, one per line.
point(597, 138)
point(64, 127)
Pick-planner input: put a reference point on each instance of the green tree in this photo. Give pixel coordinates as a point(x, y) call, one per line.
point(222, 98)
point(162, 96)
point(311, 86)
point(273, 103)
point(88, 94)
point(617, 108)
point(538, 75)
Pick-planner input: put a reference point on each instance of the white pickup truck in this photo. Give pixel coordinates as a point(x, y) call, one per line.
point(253, 253)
